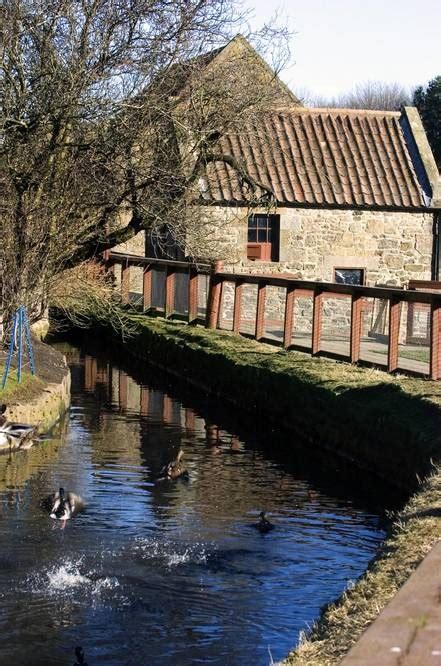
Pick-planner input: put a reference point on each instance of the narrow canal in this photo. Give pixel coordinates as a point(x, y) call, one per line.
point(168, 572)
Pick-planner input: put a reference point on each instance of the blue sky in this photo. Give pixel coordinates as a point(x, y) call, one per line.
point(339, 43)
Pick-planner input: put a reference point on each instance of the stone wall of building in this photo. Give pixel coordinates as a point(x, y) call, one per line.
point(391, 247)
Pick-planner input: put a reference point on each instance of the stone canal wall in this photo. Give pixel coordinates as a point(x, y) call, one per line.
point(51, 400)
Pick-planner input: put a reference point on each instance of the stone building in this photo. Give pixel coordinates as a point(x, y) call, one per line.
point(343, 195)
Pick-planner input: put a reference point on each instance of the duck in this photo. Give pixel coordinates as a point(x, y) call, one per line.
point(264, 524)
point(63, 505)
point(174, 469)
point(80, 657)
point(16, 435)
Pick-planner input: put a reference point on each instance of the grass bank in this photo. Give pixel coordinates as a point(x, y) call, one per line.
point(27, 389)
point(390, 425)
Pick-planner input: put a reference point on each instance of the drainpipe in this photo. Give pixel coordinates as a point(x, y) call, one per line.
point(436, 248)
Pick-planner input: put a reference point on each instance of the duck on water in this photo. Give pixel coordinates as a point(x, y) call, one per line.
point(263, 525)
point(62, 505)
point(174, 469)
point(15, 435)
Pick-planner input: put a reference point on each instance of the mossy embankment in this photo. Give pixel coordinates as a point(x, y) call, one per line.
point(389, 425)
point(39, 398)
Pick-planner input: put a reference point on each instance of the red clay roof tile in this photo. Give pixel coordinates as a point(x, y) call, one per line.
point(337, 157)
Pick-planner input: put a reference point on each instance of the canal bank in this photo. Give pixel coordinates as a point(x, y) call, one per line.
point(45, 400)
point(387, 425)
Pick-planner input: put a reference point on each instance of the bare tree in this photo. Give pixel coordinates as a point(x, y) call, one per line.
point(110, 114)
point(368, 95)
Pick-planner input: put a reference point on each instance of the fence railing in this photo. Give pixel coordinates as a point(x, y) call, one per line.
point(210, 304)
point(168, 287)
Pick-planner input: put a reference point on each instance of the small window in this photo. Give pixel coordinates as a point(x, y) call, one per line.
point(349, 275)
point(263, 237)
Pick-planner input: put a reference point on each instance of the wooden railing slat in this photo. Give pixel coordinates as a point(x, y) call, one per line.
point(260, 311)
point(435, 341)
point(317, 315)
point(289, 316)
point(394, 333)
point(237, 307)
point(356, 327)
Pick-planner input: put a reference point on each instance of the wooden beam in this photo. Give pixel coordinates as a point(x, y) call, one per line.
point(357, 302)
point(192, 295)
point(237, 307)
point(317, 315)
point(289, 316)
point(125, 283)
point(260, 311)
point(169, 297)
point(147, 288)
point(435, 341)
point(394, 333)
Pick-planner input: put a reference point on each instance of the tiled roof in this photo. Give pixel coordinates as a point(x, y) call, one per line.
point(321, 157)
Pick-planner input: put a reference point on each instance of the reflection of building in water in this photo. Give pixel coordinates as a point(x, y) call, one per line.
point(223, 485)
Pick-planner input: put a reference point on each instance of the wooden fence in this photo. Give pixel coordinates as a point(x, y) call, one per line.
point(293, 289)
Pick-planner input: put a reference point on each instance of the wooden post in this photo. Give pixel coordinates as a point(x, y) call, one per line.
point(289, 316)
point(237, 306)
point(125, 282)
point(435, 340)
point(394, 333)
point(192, 295)
point(317, 314)
point(214, 295)
point(169, 305)
point(356, 326)
point(147, 288)
point(260, 311)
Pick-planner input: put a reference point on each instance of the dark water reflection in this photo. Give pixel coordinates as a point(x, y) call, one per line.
point(167, 572)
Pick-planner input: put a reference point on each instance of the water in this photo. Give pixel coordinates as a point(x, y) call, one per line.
point(169, 572)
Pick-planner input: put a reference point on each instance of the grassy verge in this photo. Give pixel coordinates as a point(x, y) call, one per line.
point(389, 424)
point(416, 529)
point(28, 388)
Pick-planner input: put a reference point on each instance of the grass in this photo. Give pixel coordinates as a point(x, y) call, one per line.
point(412, 354)
point(28, 388)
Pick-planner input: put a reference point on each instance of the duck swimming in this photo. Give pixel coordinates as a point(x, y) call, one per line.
point(80, 657)
point(62, 505)
point(15, 435)
point(174, 469)
point(264, 524)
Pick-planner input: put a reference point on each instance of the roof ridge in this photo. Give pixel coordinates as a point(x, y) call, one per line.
point(333, 110)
